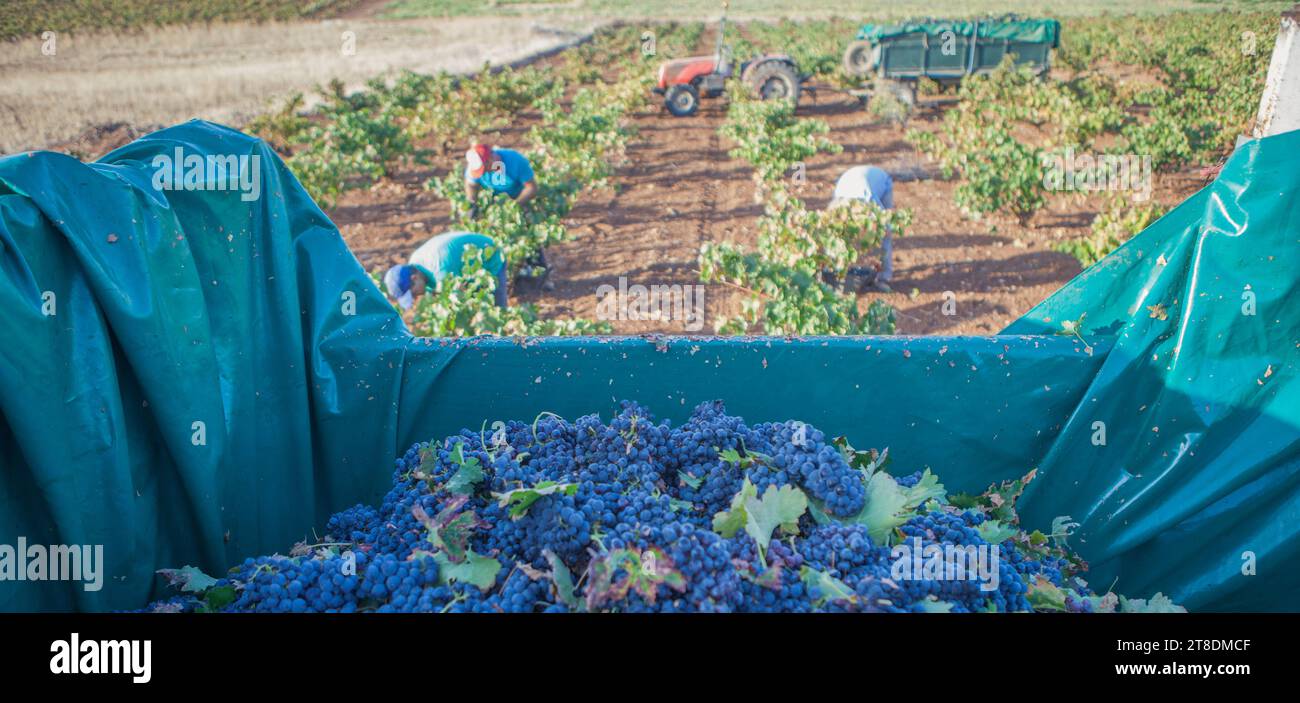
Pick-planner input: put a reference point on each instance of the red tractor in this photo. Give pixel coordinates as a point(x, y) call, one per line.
point(683, 82)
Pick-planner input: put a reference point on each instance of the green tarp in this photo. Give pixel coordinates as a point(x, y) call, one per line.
point(192, 377)
point(1036, 31)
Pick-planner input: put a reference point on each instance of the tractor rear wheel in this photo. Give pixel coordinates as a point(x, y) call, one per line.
point(857, 58)
point(775, 80)
point(682, 100)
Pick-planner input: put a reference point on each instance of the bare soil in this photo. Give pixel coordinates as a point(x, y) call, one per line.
point(679, 188)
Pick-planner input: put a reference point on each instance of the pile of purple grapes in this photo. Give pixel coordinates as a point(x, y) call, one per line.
point(635, 515)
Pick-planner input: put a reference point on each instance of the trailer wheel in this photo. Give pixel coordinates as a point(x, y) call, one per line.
point(857, 58)
point(775, 80)
point(682, 100)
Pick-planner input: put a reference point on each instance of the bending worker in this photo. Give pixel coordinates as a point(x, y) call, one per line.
point(438, 258)
point(873, 185)
point(500, 171)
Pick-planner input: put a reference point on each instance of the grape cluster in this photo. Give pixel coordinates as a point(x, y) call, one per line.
point(336, 583)
point(909, 480)
point(702, 557)
point(354, 524)
point(772, 584)
point(693, 451)
point(508, 518)
point(959, 539)
point(801, 455)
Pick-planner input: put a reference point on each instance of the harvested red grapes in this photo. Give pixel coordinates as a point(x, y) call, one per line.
point(635, 515)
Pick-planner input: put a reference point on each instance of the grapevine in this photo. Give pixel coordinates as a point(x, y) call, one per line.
point(795, 276)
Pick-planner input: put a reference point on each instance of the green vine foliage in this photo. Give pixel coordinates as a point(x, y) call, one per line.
point(1113, 226)
point(465, 306)
point(1208, 70)
point(768, 135)
point(794, 278)
point(356, 141)
point(522, 231)
point(996, 138)
point(1189, 88)
point(795, 275)
point(584, 142)
point(575, 148)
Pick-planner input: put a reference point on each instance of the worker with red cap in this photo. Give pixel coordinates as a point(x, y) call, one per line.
point(500, 171)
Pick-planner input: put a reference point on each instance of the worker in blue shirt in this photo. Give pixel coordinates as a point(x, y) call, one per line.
point(873, 185)
point(441, 257)
point(500, 171)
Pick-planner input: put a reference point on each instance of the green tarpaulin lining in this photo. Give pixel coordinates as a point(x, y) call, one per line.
point(177, 307)
point(1037, 31)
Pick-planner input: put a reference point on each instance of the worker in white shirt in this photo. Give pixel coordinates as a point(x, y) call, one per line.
point(873, 185)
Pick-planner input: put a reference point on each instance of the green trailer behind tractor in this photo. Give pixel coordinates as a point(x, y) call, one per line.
point(947, 51)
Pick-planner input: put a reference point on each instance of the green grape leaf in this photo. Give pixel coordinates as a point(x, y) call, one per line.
point(778, 508)
point(868, 460)
point(651, 568)
point(190, 579)
point(642, 572)
point(826, 586)
point(731, 456)
point(886, 508)
point(450, 530)
point(476, 569)
point(928, 488)
point(1062, 527)
point(520, 499)
point(1159, 603)
point(731, 521)
point(428, 461)
point(563, 579)
point(1002, 498)
point(468, 472)
point(692, 481)
point(217, 598)
point(1043, 595)
point(1072, 327)
point(994, 532)
point(679, 506)
point(819, 515)
point(767, 578)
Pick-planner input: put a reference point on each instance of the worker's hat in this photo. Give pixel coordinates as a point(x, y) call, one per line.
point(398, 282)
point(478, 158)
